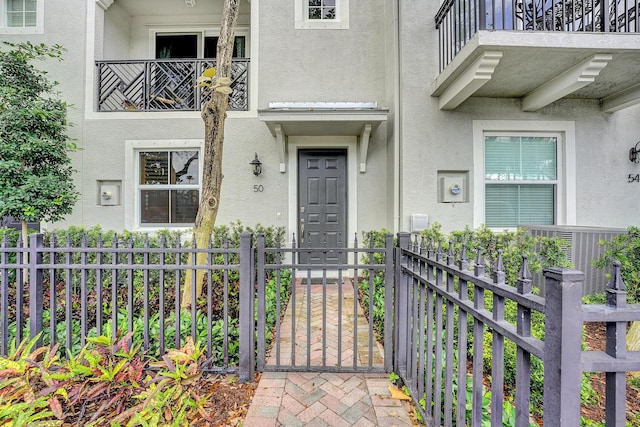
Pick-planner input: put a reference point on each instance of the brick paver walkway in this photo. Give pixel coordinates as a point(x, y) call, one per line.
point(325, 399)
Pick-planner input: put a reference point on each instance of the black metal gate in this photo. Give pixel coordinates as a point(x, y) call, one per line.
point(322, 326)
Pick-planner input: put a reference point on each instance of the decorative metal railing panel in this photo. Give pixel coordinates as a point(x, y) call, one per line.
point(161, 85)
point(459, 20)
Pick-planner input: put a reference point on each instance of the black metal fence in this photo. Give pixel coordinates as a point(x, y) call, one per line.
point(438, 313)
point(459, 20)
point(164, 84)
point(73, 292)
point(444, 312)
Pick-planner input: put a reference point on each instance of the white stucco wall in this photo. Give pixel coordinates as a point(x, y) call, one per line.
point(322, 65)
point(117, 33)
point(433, 140)
point(355, 64)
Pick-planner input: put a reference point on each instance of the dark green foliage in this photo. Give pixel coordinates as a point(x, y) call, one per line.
point(221, 304)
point(375, 239)
point(624, 248)
point(36, 171)
point(541, 251)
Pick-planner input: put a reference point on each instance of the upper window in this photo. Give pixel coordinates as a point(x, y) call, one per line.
point(524, 173)
point(168, 187)
point(22, 16)
point(521, 178)
point(321, 9)
point(318, 14)
point(194, 45)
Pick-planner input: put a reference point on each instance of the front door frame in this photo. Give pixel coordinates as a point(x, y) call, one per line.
point(350, 143)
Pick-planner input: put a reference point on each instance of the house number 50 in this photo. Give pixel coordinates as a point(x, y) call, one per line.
point(633, 178)
point(258, 188)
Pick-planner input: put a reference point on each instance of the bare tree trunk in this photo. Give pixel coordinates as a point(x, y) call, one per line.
point(214, 113)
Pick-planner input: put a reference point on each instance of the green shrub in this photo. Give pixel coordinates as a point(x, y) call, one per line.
point(624, 248)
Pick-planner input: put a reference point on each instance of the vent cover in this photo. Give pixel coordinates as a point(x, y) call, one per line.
point(584, 248)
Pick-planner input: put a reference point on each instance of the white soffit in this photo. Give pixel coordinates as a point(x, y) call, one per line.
point(359, 119)
point(568, 82)
point(472, 79)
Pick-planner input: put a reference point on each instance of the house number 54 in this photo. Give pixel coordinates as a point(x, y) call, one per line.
point(634, 178)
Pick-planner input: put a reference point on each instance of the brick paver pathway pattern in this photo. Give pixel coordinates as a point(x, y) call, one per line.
point(293, 399)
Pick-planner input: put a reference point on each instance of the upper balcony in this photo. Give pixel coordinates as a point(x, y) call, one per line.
point(539, 51)
point(149, 54)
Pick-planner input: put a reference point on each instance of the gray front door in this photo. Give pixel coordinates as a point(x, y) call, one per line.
point(322, 204)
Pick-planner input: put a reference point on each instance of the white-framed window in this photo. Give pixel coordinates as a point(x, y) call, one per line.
point(318, 14)
point(165, 187)
point(524, 173)
point(22, 16)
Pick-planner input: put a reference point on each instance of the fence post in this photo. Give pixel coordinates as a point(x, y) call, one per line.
point(35, 287)
point(247, 322)
point(401, 305)
point(388, 303)
point(616, 385)
point(562, 344)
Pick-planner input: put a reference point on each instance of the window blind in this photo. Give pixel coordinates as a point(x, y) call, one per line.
point(511, 163)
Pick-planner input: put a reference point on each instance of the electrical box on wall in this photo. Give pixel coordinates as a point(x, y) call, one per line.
point(419, 222)
point(452, 186)
point(109, 193)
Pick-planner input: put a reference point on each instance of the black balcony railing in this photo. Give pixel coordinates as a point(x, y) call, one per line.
point(162, 84)
point(459, 20)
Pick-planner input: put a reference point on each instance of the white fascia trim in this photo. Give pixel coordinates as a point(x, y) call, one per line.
point(566, 212)
point(131, 203)
point(296, 143)
point(303, 23)
point(37, 29)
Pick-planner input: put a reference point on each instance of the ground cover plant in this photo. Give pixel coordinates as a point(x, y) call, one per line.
point(111, 384)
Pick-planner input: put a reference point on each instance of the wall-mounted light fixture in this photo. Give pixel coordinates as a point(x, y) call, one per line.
point(634, 153)
point(190, 3)
point(257, 165)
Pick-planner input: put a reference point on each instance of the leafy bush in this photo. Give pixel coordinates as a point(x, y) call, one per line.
point(624, 248)
point(107, 383)
point(374, 239)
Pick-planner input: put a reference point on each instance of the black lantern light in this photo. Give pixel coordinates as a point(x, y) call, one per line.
point(257, 165)
point(634, 153)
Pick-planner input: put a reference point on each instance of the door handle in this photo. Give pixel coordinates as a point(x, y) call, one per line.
point(301, 230)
